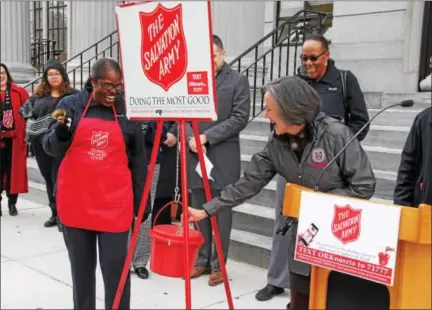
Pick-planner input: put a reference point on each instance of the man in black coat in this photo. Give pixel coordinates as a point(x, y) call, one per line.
point(414, 180)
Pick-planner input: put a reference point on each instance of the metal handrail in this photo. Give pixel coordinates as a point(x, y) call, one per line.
point(273, 44)
point(80, 55)
point(274, 31)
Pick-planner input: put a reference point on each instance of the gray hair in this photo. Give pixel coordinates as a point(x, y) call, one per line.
point(298, 102)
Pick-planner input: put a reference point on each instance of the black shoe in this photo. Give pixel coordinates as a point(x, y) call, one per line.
point(59, 225)
point(13, 210)
point(269, 292)
point(51, 222)
point(142, 272)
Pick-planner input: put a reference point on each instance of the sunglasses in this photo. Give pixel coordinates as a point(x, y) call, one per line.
point(312, 58)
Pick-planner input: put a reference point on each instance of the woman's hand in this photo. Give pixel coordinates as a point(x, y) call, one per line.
point(196, 215)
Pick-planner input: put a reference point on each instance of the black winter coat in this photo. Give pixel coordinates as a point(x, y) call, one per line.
point(330, 90)
point(414, 179)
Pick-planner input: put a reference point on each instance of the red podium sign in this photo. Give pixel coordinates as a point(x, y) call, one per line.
point(355, 237)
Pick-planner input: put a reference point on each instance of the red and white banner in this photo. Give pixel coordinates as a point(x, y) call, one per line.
point(352, 236)
point(167, 59)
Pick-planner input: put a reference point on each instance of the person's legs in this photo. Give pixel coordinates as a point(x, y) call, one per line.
point(81, 246)
point(45, 164)
point(300, 290)
point(142, 250)
point(164, 217)
point(7, 170)
point(278, 272)
point(205, 252)
point(224, 222)
point(112, 256)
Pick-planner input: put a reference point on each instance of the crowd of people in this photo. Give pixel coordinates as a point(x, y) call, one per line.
point(320, 108)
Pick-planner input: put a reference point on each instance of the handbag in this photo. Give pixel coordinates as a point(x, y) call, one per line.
point(36, 127)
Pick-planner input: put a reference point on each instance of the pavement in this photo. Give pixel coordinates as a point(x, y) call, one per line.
point(35, 271)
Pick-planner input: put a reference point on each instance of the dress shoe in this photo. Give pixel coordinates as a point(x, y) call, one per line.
point(51, 222)
point(199, 271)
point(59, 225)
point(13, 210)
point(142, 272)
point(215, 278)
point(268, 292)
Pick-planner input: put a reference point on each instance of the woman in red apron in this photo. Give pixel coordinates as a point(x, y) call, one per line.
point(13, 149)
point(99, 183)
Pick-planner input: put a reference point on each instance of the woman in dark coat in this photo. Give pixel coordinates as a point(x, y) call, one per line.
point(300, 131)
point(13, 149)
point(53, 86)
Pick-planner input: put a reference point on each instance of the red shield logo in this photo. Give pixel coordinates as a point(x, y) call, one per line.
point(346, 224)
point(163, 45)
point(99, 139)
point(8, 119)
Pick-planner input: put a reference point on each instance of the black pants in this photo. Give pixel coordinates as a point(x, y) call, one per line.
point(165, 216)
point(112, 248)
point(48, 167)
point(5, 170)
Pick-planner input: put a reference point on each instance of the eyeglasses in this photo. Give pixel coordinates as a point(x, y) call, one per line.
point(109, 86)
point(312, 58)
point(54, 74)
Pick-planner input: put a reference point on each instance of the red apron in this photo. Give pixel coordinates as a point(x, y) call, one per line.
point(94, 184)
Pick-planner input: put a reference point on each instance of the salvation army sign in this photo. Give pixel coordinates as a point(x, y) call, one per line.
point(356, 237)
point(166, 55)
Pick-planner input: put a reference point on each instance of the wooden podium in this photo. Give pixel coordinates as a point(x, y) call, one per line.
point(412, 282)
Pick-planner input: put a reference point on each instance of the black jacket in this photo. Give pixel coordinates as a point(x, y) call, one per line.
point(414, 179)
point(132, 132)
point(330, 90)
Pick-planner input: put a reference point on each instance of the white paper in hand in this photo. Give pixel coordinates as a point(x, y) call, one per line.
point(209, 167)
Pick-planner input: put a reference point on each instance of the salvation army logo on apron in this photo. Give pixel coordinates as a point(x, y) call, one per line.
point(99, 139)
point(8, 119)
point(319, 158)
point(99, 142)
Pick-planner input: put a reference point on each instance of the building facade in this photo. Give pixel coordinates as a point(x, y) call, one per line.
point(387, 44)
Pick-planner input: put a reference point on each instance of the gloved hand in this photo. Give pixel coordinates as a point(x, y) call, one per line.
point(62, 130)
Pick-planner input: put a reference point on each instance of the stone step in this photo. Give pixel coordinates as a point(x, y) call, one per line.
point(391, 136)
point(386, 181)
point(382, 158)
point(391, 117)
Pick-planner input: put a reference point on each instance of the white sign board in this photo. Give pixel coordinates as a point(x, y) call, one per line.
point(356, 237)
point(167, 59)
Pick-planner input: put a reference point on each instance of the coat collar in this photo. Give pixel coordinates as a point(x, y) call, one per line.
point(222, 75)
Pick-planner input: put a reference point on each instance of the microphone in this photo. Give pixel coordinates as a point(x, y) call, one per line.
point(404, 104)
point(290, 220)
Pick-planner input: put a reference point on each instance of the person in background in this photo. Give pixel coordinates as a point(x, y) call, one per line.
point(100, 182)
point(53, 86)
point(342, 98)
point(13, 149)
point(166, 183)
point(414, 178)
point(339, 90)
point(221, 142)
point(301, 134)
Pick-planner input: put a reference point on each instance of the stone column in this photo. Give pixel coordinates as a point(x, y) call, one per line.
point(15, 40)
point(239, 24)
point(426, 84)
point(88, 23)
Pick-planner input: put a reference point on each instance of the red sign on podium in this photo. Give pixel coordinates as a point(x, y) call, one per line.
point(348, 235)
